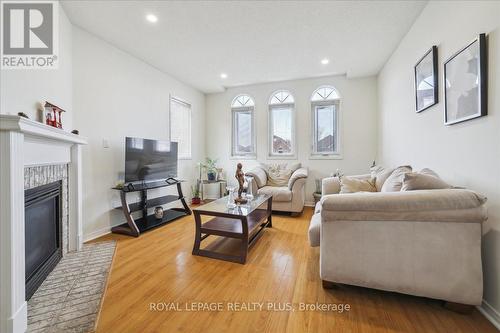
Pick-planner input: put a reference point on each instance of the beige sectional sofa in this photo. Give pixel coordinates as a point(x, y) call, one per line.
point(288, 198)
point(424, 242)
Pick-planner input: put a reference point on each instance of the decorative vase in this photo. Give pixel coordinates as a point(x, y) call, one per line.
point(159, 212)
point(211, 175)
point(230, 197)
point(195, 201)
point(249, 195)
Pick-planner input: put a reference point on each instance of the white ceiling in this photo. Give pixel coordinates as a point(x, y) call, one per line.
point(251, 41)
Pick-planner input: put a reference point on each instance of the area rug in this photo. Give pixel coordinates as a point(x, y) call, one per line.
point(69, 300)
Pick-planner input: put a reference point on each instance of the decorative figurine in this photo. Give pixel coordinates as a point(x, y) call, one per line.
point(53, 115)
point(240, 176)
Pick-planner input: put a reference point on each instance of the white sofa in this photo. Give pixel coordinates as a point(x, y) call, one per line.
point(290, 198)
point(424, 242)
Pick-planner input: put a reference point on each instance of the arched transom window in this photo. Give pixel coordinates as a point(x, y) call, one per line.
point(242, 101)
point(325, 108)
point(282, 125)
point(281, 97)
point(243, 138)
point(325, 93)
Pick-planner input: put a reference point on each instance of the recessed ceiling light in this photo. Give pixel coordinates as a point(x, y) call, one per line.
point(152, 18)
point(223, 75)
point(325, 61)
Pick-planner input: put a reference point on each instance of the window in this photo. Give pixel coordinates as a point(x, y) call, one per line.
point(281, 125)
point(180, 126)
point(243, 138)
point(325, 134)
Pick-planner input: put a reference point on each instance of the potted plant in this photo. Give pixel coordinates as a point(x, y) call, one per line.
point(211, 167)
point(195, 191)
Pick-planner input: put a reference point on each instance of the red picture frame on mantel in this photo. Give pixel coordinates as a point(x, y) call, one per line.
point(52, 115)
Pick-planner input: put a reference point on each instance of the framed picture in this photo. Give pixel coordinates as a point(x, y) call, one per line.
point(465, 83)
point(426, 80)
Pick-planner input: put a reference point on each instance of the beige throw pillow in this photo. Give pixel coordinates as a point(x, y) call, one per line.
point(380, 174)
point(394, 182)
point(279, 177)
point(278, 174)
point(353, 185)
point(421, 181)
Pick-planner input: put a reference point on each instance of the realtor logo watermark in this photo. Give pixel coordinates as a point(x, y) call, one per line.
point(30, 36)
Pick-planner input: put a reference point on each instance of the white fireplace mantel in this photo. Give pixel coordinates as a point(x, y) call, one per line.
point(25, 142)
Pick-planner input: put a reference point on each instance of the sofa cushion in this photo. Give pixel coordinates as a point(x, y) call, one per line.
point(279, 193)
point(317, 208)
point(394, 182)
point(314, 233)
point(353, 185)
point(259, 175)
point(447, 205)
point(419, 181)
point(380, 174)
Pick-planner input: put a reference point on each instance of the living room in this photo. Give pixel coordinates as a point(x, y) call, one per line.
point(240, 166)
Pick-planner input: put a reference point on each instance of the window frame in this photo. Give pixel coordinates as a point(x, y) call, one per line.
point(270, 134)
point(243, 109)
point(336, 103)
point(190, 108)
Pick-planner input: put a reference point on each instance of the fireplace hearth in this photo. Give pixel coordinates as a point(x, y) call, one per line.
point(43, 233)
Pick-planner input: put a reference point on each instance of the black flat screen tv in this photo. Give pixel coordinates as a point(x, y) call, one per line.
point(149, 160)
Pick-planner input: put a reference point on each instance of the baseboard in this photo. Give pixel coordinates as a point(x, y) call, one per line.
point(309, 204)
point(490, 313)
point(97, 233)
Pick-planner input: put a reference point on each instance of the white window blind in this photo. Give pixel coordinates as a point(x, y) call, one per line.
point(281, 125)
point(243, 138)
point(325, 134)
point(180, 126)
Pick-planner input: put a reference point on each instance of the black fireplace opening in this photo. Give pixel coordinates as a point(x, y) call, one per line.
point(43, 234)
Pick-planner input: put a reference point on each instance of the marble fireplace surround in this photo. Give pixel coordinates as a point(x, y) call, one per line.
point(25, 146)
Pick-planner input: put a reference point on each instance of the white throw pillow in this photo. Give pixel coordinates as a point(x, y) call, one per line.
point(380, 174)
point(353, 185)
point(426, 179)
point(394, 182)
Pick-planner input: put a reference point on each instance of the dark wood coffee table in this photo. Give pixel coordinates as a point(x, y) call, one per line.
point(243, 225)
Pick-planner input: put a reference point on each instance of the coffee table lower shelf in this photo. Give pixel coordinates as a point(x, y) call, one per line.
point(237, 233)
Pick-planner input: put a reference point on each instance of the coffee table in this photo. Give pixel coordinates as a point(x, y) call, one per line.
point(245, 224)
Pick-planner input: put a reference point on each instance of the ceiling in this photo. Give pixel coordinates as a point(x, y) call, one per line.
point(251, 41)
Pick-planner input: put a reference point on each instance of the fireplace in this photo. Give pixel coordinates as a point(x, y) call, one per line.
point(43, 233)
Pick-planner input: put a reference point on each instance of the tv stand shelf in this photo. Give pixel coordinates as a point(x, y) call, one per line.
point(134, 227)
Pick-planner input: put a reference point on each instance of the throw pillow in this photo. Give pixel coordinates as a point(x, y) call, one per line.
point(380, 174)
point(427, 171)
point(420, 181)
point(353, 185)
point(278, 177)
point(394, 182)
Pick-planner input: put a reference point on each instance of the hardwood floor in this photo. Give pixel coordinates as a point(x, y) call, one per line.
point(281, 268)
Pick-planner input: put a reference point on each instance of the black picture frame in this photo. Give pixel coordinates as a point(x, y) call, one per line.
point(479, 90)
point(419, 79)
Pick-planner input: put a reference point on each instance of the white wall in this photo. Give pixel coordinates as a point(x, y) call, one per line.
point(358, 125)
point(465, 154)
point(117, 95)
point(21, 90)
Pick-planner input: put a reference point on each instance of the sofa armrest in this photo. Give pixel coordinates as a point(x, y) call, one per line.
point(448, 205)
point(259, 175)
point(297, 174)
point(330, 185)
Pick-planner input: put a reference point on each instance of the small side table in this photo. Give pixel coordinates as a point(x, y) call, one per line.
point(317, 197)
point(222, 187)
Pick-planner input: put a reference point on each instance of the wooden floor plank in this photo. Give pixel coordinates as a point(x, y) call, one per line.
point(281, 268)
